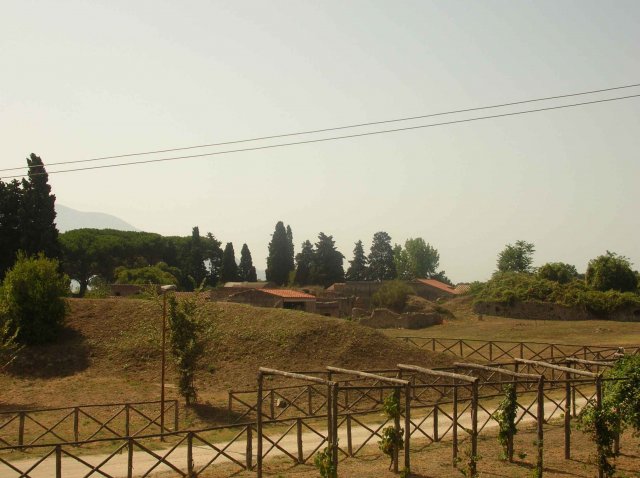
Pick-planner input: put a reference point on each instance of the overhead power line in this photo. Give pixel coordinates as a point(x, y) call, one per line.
point(333, 138)
point(335, 128)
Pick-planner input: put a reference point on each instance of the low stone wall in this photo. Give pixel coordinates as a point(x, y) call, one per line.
point(547, 311)
point(387, 319)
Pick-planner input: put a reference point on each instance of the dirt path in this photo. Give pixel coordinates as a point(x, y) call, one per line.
point(143, 461)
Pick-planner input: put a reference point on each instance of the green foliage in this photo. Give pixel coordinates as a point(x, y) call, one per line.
point(392, 440)
point(304, 263)
point(10, 199)
point(159, 274)
point(403, 263)
point(32, 299)
point(392, 295)
point(324, 463)
point(506, 417)
point(187, 342)
point(516, 257)
point(510, 288)
point(611, 272)
point(9, 347)
point(326, 267)
point(602, 424)
point(624, 395)
point(280, 260)
point(229, 267)
point(381, 261)
point(558, 272)
point(470, 464)
point(358, 270)
point(424, 259)
point(246, 270)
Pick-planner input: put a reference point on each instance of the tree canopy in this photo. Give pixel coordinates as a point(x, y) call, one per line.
point(358, 266)
point(304, 263)
point(327, 262)
point(279, 261)
point(611, 272)
point(246, 270)
point(229, 265)
point(381, 260)
point(558, 272)
point(516, 257)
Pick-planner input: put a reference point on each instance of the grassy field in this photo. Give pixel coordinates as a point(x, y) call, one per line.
point(467, 324)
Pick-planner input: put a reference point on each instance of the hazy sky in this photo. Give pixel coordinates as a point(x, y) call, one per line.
point(84, 79)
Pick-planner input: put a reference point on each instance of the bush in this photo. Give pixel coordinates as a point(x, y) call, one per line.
point(558, 272)
point(32, 299)
point(392, 295)
point(611, 272)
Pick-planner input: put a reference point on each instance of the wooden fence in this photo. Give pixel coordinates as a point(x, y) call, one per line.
point(500, 350)
point(85, 422)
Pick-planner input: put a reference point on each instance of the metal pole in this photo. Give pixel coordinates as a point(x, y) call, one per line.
point(164, 338)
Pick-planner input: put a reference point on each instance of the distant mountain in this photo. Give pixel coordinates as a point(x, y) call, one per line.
point(68, 218)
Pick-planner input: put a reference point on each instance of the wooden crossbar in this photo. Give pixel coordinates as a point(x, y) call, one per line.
point(299, 376)
point(558, 367)
point(589, 362)
point(438, 373)
point(358, 373)
point(496, 369)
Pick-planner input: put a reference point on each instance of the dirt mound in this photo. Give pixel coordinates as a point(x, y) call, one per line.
point(112, 352)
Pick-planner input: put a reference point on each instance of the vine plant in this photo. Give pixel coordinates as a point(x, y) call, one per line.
point(324, 464)
point(506, 418)
point(392, 440)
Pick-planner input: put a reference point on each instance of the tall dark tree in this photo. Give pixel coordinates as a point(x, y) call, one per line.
point(10, 199)
point(246, 270)
point(304, 263)
point(327, 265)
point(193, 268)
point(381, 261)
point(291, 252)
point(278, 262)
point(213, 255)
point(229, 266)
point(38, 229)
point(358, 266)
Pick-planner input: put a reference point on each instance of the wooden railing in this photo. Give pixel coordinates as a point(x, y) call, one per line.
point(85, 422)
point(502, 350)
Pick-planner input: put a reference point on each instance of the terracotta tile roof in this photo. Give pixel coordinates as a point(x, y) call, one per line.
point(288, 293)
point(438, 285)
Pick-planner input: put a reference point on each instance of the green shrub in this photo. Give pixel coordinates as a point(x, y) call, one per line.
point(392, 295)
point(32, 298)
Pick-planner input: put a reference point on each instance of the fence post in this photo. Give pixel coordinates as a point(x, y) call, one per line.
point(249, 453)
point(334, 427)
point(474, 429)
point(407, 427)
point(310, 398)
point(21, 428)
point(230, 405)
point(76, 424)
point(510, 437)
point(176, 415)
point(435, 423)
point(521, 350)
point(130, 458)
point(189, 454)
point(490, 351)
point(259, 426)
point(601, 457)
point(567, 418)
point(58, 461)
point(272, 408)
point(127, 420)
point(396, 426)
point(454, 427)
point(540, 423)
point(349, 440)
point(299, 440)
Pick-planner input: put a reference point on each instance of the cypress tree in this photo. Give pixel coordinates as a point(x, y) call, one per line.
point(304, 263)
point(229, 267)
point(278, 262)
point(213, 254)
point(246, 270)
point(358, 266)
point(193, 267)
point(381, 261)
point(291, 252)
point(37, 214)
point(327, 265)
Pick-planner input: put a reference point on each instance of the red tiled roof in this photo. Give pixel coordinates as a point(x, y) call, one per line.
point(288, 293)
point(438, 285)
